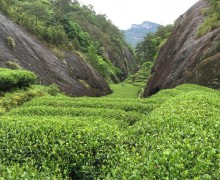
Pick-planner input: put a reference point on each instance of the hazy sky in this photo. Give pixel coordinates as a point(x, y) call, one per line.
point(124, 13)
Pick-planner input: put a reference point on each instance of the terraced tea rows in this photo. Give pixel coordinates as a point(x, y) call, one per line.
point(172, 135)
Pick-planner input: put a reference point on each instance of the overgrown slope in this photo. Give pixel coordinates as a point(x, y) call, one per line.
point(67, 25)
point(192, 53)
point(71, 72)
point(173, 134)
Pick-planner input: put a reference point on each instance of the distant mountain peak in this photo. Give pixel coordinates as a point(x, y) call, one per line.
point(137, 32)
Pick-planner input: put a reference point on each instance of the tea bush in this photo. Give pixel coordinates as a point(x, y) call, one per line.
point(171, 135)
point(15, 78)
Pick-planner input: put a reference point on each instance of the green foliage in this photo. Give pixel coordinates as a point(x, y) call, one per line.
point(99, 63)
point(39, 9)
point(59, 53)
point(213, 50)
point(67, 25)
point(73, 31)
point(172, 135)
point(212, 19)
point(13, 65)
point(149, 48)
point(76, 44)
point(53, 90)
point(11, 42)
point(15, 78)
point(210, 24)
point(16, 98)
point(84, 40)
point(55, 35)
point(141, 76)
point(4, 6)
point(84, 83)
point(146, 53)
point(205, 12)
point(124, 90)
point(203, 74)
point(25, 172)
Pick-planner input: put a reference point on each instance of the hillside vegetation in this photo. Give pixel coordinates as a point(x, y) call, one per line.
point(69, 26)
point(146, 54)
point(212, 18)
point(172, 135)
point(148, 49)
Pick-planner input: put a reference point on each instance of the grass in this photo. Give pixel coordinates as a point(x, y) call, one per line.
point(212, 17)
point(124, 90)
point(171, 135)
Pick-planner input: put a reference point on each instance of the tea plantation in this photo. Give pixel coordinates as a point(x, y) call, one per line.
point(172, 135)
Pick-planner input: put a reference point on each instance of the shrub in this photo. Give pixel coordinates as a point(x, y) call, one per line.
point(13, 65)
point(53, 90)
point(98, 62)
point(76, 44)
point(210, 24)
point(204, 76)
point(55, 35)
point(16, 78)
point(171, 135)
point(212, 20)
point(11, 42)
point(59, 53)
point(205, 11)
point(16, 98)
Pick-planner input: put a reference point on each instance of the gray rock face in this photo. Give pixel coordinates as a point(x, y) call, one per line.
point(185, 58)
point(71, 73)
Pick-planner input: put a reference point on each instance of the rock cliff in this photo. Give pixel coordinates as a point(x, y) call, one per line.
point(71, 73)
point(186, 58)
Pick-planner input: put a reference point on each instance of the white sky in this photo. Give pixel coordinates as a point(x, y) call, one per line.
point(124, 13)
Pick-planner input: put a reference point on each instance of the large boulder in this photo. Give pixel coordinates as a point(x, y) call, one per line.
point(186, 58)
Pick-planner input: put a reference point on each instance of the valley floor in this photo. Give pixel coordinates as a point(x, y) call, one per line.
point(124, 90)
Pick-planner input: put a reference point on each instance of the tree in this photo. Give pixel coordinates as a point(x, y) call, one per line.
point(98, 62)
point(4, 6)
point(84, 39)
point(37, 8)
point(55, 35)
point(76, 44)
point(72, 29)
point(62, 5)
point(149, 48)
point(164, 31)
